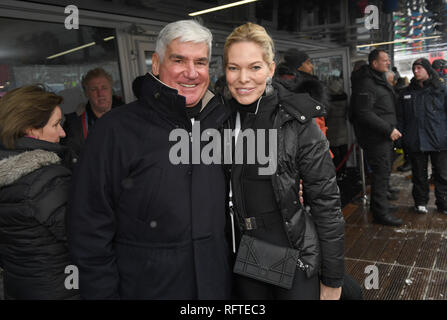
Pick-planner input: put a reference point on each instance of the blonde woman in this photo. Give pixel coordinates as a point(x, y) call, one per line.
point(267, 209)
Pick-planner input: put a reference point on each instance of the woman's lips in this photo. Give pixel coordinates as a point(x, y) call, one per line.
point(243, 91)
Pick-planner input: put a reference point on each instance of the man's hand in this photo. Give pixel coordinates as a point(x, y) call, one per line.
point(395, 134)
point(328, 293)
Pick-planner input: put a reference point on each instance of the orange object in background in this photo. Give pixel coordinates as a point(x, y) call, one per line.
point(322, 124)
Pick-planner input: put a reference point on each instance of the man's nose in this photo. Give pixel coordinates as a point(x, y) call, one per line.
point(191, 71)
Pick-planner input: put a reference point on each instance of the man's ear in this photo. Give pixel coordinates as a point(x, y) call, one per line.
point(155, 64)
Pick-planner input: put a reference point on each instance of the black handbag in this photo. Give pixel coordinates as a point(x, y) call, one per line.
point(267, 262)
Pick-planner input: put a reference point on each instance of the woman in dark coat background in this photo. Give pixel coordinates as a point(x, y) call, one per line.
point(33, 196)
point(267, 205)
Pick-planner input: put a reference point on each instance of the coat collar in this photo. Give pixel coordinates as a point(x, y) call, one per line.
point(166, 100)
point(16, 166)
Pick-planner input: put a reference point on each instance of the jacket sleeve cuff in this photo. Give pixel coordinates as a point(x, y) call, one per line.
point(332, 282)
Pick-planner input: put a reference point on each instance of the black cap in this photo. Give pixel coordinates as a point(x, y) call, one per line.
point(295, 58)
point(425, 64)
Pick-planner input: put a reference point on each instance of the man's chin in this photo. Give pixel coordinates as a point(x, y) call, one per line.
point(192, 101)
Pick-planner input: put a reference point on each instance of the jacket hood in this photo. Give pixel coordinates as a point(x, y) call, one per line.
point(15, 167)
point(306, 83)
point(360, 73)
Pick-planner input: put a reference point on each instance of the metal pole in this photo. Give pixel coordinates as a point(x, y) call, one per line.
point(362, 173)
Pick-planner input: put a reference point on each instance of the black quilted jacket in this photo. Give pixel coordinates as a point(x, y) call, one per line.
point(33, 197)
point(303, 153)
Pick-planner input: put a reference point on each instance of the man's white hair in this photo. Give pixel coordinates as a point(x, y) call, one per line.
point(185, 31)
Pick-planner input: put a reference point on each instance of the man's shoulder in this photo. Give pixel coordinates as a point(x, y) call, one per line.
point(132, 112)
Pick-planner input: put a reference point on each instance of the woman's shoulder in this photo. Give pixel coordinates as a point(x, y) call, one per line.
point(35, 167)
point(299, 105)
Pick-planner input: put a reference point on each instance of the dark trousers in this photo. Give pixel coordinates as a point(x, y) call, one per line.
point(305, 289)
point(419, 167)
point(379, 159)
point(302, 289)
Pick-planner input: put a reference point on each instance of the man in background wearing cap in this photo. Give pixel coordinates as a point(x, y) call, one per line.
point(374, 119)
point(422, 118)
point(296, 74)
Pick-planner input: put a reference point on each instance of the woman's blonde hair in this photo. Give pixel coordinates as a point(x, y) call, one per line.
point(251, 32)
point(28, 107)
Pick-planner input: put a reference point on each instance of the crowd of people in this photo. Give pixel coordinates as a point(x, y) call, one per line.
point(102, 193)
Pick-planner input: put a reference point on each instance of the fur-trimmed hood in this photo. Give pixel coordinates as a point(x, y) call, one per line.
point(15, 167)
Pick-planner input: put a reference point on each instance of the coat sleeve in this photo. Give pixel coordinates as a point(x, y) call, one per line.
point(399, 114)
point(91, 220)
point(364, 101)
point(322, 194)
point(51, 205)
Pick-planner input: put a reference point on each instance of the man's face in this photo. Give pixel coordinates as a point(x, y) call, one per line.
point(307, 67)
point(382, 63)
point(99, 93)
point(185, 67)
point(420, 73)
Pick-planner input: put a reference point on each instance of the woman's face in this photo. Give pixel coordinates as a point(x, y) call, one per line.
point(52, 131)
point(247, 72)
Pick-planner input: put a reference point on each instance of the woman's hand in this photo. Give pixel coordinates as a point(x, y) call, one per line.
point(328, 293)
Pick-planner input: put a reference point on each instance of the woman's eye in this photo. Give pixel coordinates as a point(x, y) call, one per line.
point(256, 67)
point(231, 68)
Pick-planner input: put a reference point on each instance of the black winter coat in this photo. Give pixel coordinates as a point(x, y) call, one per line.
point(373, 108)
point(139, 226)
point(33, 197)
point(422, 116)
point(303, 153)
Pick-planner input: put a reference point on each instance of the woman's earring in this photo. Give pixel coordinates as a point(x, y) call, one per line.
point(268, 87)
point(227, 93)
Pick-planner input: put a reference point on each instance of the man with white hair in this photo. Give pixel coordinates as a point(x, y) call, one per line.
point(141, 227)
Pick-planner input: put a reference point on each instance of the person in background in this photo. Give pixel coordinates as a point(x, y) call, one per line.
point(422, 117)
point(440, 66)
point(337, 132)
point(33, 196)
point(391, 78)
point(296, 74)
point(374, 119)
point(270, 202)
point(97, 85)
